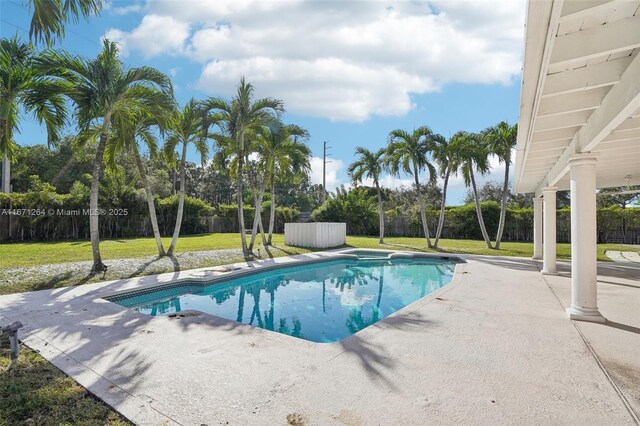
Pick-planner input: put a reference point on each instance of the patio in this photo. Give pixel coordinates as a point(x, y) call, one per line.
point(493, 346)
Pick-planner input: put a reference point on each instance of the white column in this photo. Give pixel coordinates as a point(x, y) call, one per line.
point(584, 257)
point(549, 217)
point(537, 228)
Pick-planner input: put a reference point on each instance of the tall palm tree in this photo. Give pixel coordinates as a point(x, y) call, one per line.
point(369, 165)
point(410, 153)
point(237, 119)
point(445, 158)
point(139, 129)
point(502, 140)
point(50, 16)
point(22, 85)
point(285, 156)
point(186, 127)
point(473, 155)
point(102, 91)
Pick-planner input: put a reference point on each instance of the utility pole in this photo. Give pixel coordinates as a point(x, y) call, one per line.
point(324, 170)
point(5, 181)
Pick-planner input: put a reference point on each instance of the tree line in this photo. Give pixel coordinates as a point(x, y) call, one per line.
point(422, 150)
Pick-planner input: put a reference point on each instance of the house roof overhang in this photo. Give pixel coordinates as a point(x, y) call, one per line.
point(580, 92)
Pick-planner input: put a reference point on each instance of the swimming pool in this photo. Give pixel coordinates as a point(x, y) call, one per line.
point(324, 301)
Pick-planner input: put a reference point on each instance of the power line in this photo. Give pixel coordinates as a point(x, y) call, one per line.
point(324, 170)
point(14, 25)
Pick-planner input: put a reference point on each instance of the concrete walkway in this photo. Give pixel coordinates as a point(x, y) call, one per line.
point(623, 256)
point(492, 347)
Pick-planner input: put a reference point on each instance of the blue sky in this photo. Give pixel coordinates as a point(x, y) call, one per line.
point(349, 72)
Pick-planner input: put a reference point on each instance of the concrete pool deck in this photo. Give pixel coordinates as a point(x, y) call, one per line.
point(493, 346)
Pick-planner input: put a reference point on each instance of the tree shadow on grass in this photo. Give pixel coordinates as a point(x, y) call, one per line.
point(35, 389)
point(53, 282)
point(142, 269)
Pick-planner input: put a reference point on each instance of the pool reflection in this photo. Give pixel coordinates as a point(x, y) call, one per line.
point(320, 302)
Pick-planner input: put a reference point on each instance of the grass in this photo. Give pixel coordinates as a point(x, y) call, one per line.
point(19, 255)
point(33, 254)
point(33, 391)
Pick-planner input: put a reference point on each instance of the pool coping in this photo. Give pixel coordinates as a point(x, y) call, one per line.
point(241, 270)
point(286, 262)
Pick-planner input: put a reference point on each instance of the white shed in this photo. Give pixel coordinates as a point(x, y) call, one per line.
point(315, 234)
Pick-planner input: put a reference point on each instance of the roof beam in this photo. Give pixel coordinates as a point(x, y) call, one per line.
point(628, 124)
point(552, 122)
point(553, 135)
point(575, 8)
point(585, 78)
point(621, 102)
point(629, 144)
point(606, 39)
point(622, 135)
point(572, 102)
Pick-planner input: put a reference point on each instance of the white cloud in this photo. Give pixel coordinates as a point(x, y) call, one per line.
point(327, 87)
point(125, 10)
point(333, 168)
point(390, 181)
point(154, 36)
point(342, 60)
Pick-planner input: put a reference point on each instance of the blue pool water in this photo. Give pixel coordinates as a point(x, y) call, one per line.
point(320, 302)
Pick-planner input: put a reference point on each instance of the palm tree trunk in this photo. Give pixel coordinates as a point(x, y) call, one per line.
point(485, 235)
point(272, 213)
point(176, 228)
point(442, 205)
point(94, 229)
point(423, 213)
point(503, 206)
point(257, 217)
point(3, 125)
point(240, 201)
point(262, 234)
point(381, 213)
point(152, 207)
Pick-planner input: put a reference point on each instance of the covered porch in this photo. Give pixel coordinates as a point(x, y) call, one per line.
point(579, 126)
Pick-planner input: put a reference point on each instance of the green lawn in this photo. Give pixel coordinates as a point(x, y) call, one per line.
point(33, 391)
point(19, 255)
point(32, 254)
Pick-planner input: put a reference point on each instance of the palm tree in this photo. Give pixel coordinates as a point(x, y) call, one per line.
point(369, 165)
point(446, 161)
point(139, 126)
point(23, 86)
point(50, 16)
point(502, 140)
point(237, 119)
point(282, 155)
point(410, 152)
point(473, 155)
point(102, 91)
point(185, 127)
